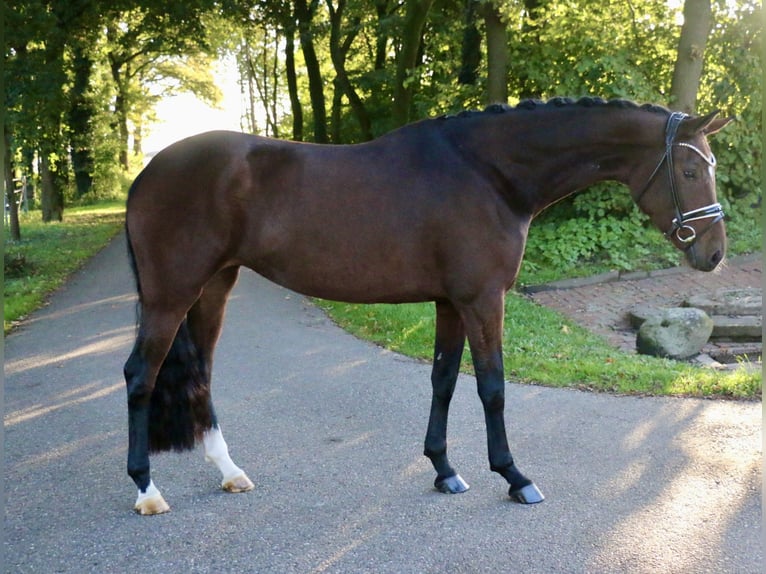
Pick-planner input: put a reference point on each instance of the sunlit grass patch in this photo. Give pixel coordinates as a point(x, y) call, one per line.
point(49, 252)
point(541, 346)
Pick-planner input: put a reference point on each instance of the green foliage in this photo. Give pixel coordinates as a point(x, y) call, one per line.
point(78, 76)
point(734, 84)
point(572, 48)
point(564, 52)
point(143, 50)
point(610, 49)
point(598, 230)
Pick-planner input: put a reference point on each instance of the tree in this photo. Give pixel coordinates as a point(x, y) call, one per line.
point(259, 62)
point(339, 49)
point(497, 53)
point(304, 13)
point(10, 188)
point(259, 18)
point(80, 119)
point(51, 107)
point(532, 27)
point(407, 59)
point(470, 50)
point(57, 98)
point(140, 44)
point(691, 50)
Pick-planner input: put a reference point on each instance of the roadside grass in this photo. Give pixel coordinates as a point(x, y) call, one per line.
point(49, 252)
point(541, 346)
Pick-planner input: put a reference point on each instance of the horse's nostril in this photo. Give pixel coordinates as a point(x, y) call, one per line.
point(716, 258)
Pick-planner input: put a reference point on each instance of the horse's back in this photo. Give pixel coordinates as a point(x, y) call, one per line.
point(368, 222)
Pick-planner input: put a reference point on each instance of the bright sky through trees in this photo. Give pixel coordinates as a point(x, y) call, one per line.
point(185, 115)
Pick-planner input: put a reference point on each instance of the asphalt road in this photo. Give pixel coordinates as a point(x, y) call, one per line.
point(330, 429)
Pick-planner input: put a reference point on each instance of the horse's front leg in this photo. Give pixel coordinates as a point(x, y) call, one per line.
point(448, 350)
point(484, 324)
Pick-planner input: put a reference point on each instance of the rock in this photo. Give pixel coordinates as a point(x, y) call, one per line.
point(676, 333)
point(741, 328)
point(638, 314)
point(748, 301)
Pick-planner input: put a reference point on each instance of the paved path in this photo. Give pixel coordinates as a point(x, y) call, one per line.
point(330, 429)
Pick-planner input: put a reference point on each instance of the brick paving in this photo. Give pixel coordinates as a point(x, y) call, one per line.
point(603, 307)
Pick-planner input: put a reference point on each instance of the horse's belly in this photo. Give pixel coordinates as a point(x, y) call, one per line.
point(370, 280)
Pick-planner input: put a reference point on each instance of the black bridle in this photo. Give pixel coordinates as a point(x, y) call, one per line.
point(686, 234)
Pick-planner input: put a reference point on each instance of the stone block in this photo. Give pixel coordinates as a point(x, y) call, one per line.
point(742, 328)
point(746, 301)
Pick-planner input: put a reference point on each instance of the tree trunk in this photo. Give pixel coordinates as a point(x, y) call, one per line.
point(121, 113)
point(53, 181)
point(271, 71)
point(381, 37)
point(497, 55)
point(470, 52)
point(691, 49)
point(80, 121)
point(292, 82)
point(335, 111)
point(10, 197)
point(412, 37)
point(305, 13)
point(262, 79)
point(138, 139)
point(531, 25)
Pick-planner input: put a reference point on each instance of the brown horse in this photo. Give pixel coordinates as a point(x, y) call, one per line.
point(435, 211)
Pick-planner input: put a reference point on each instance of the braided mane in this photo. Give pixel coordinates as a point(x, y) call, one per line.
point(559, 102)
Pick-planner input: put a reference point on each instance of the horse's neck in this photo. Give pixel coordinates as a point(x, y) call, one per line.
point(544, 158)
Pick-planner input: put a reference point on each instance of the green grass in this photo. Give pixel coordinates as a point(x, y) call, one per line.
point(543, 347)
point(49, 252)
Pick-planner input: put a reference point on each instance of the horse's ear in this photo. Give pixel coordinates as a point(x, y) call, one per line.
point(708, 124)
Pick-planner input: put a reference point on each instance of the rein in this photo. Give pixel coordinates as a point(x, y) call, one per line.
point(684, 233)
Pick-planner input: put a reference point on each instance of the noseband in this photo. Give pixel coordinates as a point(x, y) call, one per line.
point(683, 232)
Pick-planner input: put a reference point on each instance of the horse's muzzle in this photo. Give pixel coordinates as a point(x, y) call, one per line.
point(705, 259)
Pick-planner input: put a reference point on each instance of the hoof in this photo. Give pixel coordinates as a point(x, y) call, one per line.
point(451, 485)
point(239, 483)
point(150, 502)
point(528, 494)
point(151, 505)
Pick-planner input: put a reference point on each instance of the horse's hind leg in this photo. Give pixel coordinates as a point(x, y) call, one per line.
point(205, 320)
point(217, 451)
point(156, 334)
point(448, 350)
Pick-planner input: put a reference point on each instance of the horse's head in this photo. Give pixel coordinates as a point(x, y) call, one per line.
point(679, 195)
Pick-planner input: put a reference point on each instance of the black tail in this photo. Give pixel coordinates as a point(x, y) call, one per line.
point(180, 409)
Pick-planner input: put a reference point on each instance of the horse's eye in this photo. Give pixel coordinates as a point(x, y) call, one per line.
point(689, 174)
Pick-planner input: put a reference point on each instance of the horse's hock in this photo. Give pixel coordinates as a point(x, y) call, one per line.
point(735, 327)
